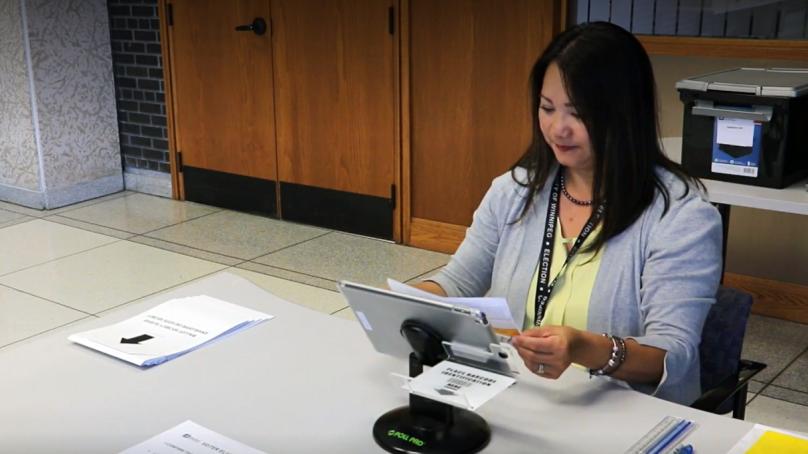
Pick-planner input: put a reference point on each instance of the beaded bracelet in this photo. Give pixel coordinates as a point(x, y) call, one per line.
point(616, 358)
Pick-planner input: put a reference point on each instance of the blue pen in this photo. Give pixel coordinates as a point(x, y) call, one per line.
point(673, 435)
point(684, 449)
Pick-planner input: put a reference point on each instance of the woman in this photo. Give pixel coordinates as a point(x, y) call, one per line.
point(605, 247)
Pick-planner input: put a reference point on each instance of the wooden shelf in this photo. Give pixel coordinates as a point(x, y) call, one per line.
point(725, 47)
point(777, 299)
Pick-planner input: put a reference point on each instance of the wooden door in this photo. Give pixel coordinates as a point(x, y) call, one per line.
point(336, 98)
point(223, 102)
point(470, 110)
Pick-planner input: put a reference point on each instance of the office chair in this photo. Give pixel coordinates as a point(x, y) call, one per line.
point(724, 375)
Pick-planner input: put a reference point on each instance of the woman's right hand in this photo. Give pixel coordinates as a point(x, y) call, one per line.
point(547, 350)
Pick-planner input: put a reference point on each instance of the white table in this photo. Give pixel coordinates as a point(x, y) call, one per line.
point(303, 382)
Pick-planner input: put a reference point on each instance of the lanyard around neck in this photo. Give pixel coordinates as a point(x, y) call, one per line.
point(543, 289)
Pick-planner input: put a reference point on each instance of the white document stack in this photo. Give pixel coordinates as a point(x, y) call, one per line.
point(169, 330)
point(190, 438)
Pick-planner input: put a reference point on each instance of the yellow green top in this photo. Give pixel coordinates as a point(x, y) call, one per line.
point(569, 301)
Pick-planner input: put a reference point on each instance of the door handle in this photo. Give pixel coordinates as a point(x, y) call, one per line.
point(258, 26)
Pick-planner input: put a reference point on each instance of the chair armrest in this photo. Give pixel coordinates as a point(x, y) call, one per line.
point(748, 369)
point(713, 399)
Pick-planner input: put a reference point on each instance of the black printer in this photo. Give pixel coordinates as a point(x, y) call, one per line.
point(746, 125)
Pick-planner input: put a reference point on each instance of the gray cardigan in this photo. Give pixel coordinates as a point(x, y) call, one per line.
point(655, 284)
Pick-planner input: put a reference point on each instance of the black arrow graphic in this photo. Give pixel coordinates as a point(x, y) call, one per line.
point(136, 340)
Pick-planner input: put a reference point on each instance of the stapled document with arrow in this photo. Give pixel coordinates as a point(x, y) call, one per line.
point(170, 329)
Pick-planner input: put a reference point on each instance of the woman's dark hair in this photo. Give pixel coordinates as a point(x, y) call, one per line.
point(610, 82)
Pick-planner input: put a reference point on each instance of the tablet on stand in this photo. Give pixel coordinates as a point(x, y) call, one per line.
point(428, 333)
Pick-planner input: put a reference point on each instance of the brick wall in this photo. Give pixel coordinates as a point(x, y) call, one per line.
point(135, 37)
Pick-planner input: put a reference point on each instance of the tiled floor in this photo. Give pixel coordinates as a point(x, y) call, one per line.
point(64, 265)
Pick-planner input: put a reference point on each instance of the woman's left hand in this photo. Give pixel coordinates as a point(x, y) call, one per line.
point(548, 350)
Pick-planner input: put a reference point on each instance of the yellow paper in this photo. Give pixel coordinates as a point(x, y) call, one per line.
point(779, 443)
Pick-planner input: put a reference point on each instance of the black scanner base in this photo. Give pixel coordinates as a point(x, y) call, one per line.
point(406, 430)
point(426, 426)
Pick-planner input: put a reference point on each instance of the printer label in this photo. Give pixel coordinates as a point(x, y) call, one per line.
point(736, 147)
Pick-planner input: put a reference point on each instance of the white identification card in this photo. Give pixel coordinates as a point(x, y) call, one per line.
point(190, 438)
point(735, 131)
point(459, 385)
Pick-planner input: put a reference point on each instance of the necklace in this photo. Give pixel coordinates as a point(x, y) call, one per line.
point(582, 203)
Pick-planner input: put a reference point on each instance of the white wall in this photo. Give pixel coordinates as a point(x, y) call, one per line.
point(19, 166)
point(57, 103)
